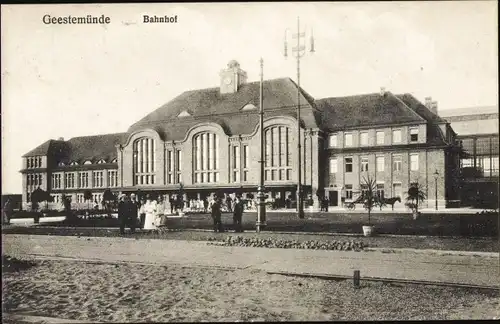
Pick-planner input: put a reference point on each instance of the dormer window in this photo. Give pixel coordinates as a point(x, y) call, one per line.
point(101, 161)
point(413, 134)
point(74, 163)
point(88, 162)
point(249, 107)
point(184, 113)
point(61, 164)
point(114, 161)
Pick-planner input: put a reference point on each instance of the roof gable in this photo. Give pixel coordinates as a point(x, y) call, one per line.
point(99, 148)
point(207, 103)
point(365, 110)
point(420, 108)
point(42, 149)
point(184, 114)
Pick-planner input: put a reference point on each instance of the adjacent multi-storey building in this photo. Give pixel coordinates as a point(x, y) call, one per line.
point(207, 140)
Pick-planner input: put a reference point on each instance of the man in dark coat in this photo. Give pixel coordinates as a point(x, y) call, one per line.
point(122, 214)
point(132, 210)
point(238, 215)
point(229, 204)
point(217, 215)
point(205, 204)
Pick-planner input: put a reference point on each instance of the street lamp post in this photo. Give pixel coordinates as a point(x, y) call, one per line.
point(261, 211)
point(436, 175)
point(299, 51)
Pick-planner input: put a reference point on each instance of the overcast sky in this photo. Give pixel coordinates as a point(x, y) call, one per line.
point(75, 80)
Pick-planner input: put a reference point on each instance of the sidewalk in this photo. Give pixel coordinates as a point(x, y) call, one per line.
point(451, 269)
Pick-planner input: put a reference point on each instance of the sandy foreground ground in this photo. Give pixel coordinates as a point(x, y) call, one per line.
point(145, 293)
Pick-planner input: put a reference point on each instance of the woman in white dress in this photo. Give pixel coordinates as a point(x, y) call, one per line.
point(151, 212)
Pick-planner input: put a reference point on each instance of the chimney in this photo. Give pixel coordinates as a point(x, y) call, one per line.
point(382, 91)
point(434, 107)
point(428, 102)
point(60, 139)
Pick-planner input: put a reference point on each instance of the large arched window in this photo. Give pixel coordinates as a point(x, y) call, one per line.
point(144, 161)
point(278, 165)
point(206, 158)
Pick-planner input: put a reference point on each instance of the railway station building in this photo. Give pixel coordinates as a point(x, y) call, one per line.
point(207, 140)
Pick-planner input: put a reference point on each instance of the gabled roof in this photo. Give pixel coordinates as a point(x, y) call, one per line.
point(93, 148)
point(225, 109)
point(365, 110)
point(420, 108)
point(42, 149)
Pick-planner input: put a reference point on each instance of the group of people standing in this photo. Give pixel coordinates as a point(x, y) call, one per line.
point(237, 207)
point(133, 213)
point(148, 213)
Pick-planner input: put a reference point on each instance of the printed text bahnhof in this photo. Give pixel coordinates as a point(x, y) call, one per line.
point(88, 19)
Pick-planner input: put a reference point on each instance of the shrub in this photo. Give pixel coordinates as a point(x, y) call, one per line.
point(288, 244)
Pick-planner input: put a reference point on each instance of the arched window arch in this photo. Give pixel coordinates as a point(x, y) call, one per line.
point(144, 161)
point(206, 157)
point(278, 166)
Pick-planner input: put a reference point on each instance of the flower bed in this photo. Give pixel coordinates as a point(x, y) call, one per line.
point(288, 244)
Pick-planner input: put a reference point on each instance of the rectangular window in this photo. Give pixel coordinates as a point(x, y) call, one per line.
point(333, 140)
point(413, 134)
point(97, 177)
point(380, 161)
point(348, 165)
point(380, 190)
point(348, 191)
point(245, 175)
point(347, 140)
point(333, 165)
point(364, 164)
point(397, 162)
point(380, 137)
point(396, 136)
point(246, 157)
point(236, 157)
point(467, 163)
point(288, 174)
point(494, 165)
point(414, 162)
point(179, 160)
point(170, 167)
point(170, 161)
point(363, 138)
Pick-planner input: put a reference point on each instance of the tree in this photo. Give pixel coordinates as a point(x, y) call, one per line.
point(415, 196)
point(37, 196)
point(108, 199)
point(369, 195)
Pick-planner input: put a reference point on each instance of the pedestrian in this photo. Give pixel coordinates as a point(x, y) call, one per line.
point(238, 214)
point(229, 204)
point(131, 210)
point(137, 219)
point(142, 213)
point(327, 202)
point(8, 210)
point(172, 204)
point(122, 213)
point(150, 213)
point(205, 205)
point(217, 215)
